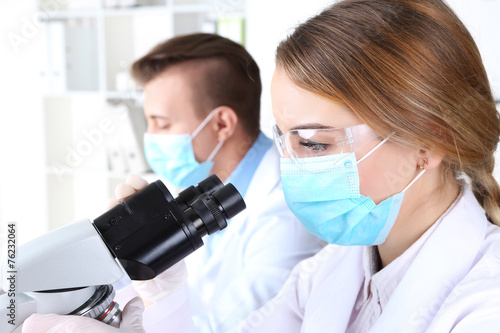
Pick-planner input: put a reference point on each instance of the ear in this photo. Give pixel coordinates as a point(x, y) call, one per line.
point(428, 159)
point(225, 122)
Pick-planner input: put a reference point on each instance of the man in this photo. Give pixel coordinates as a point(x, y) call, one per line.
point(202, 104)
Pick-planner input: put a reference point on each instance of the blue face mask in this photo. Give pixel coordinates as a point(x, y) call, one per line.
point(171, 156)
point(326, 199)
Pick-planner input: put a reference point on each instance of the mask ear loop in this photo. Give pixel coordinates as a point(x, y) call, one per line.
point(198, 130)
point(203, 124)
point(373, 149)
point(215, 151)
point(414, 180)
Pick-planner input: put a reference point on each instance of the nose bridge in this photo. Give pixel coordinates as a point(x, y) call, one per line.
point(151, 128)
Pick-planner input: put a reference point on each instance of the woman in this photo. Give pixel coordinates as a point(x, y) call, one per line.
point(387, 102)
point(387, 127)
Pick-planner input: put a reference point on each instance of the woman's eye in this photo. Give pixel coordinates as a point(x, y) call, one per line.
point(316, 146)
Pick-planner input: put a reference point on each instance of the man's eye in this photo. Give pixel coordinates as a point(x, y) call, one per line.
point(316, 146)
point(163, 126)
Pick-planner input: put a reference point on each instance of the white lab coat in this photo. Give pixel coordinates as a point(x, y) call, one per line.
point(453, 285)
point(254, 257)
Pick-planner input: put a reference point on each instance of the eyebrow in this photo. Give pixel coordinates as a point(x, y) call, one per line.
point(154, 116)
point(310, 126)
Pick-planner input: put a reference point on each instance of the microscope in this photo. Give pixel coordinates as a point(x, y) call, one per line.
point(71, 270)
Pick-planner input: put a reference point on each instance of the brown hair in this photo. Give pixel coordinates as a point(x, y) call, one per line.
point(233, 81)
point(407, 67)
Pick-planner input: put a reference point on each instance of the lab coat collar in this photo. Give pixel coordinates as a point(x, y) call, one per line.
point(387, 279)
point(432, 275)
point(371, 262)
point(242, 175)
point(268, 169)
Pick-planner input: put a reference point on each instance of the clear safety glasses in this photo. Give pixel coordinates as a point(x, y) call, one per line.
point(300, 144)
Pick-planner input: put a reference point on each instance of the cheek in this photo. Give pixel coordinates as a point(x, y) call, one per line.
point(203, 144)
point(386, 173)
point(372, 180)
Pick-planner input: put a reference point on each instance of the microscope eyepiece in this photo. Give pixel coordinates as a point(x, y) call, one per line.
point(230, 203)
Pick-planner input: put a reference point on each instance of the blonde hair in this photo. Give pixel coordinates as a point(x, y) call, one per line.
point(405, 67)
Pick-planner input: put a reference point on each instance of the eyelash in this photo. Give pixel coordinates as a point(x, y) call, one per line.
point(316, 146)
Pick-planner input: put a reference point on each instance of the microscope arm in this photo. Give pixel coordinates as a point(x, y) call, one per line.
point(72, 256)
point(72, 259)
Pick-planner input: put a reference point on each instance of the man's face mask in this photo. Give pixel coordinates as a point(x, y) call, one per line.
point(171, 156)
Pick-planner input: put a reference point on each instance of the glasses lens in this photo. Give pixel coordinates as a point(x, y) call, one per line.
point(317, 142)
point(333, 143)
point(278, 139)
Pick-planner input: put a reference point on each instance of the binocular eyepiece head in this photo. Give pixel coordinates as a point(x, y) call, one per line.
point(151, 230)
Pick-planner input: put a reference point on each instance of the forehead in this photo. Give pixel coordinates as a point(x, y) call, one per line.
point(294, 106)
point(171, 93)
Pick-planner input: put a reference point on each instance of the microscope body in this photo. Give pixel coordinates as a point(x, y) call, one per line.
point(70, 270)
point(71, 262)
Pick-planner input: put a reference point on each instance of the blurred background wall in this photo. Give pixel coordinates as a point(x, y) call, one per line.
point(67, 95)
